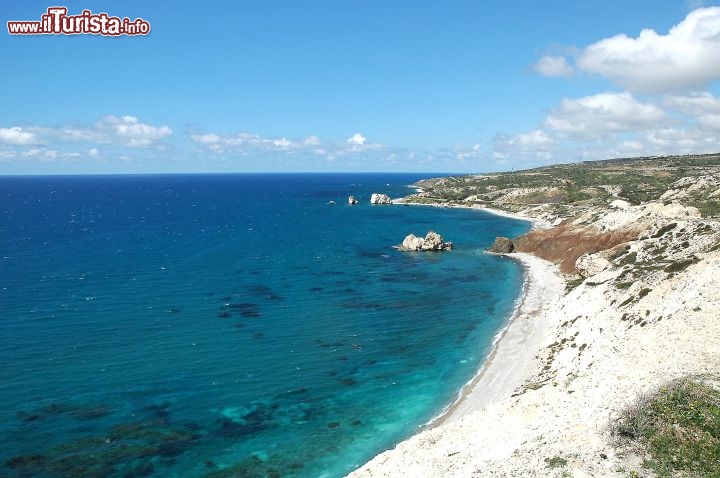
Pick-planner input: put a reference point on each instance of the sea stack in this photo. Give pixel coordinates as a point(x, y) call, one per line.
point(431, 242)
point(377, 198)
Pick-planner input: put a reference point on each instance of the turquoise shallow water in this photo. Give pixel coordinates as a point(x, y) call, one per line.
point(232, 325)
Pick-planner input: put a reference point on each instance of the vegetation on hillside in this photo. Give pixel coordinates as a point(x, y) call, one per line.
point(588, 183)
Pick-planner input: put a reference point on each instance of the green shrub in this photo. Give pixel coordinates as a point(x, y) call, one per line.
point(570, 284)
point(556, 462)
point(678, 427)
point(679, 266)
point(629, 259)
point(666, 228)
point(627, 301)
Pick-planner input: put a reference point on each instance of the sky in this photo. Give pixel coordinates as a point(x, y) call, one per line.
point(376, 85)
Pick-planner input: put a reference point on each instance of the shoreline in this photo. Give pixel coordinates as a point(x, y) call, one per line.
point(542, 285)
point(472, 385)
point(536, 223)
point(510, 361)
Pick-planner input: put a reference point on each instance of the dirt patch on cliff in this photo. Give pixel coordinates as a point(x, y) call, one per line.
point(565, 243)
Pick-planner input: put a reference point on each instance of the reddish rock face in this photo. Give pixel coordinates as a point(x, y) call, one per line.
point(565, 243)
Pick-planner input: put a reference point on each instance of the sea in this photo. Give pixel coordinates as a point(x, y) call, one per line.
point(249, 325)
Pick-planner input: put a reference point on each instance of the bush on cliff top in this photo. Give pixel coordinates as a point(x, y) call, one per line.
point(678, 427)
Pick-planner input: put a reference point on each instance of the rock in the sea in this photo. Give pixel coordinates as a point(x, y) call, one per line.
point(502, 245)
point(377, 198)
point(412, 243)
point(352, 201)
point(588, 265)
point(431, 242)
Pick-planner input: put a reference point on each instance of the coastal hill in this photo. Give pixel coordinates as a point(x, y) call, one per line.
point(557, 189)
point(594, 205)
point(622, 377)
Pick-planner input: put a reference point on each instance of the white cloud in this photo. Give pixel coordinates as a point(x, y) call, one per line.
point(553, 66)
point(463, 154)
point(17, 136)
point(536, 139)
point(73, 134)
point(119, 130)
point(687, 56)
point(357, 139)
point(42, 154)
point(710, 122)
point(205, 138)
point(602, 114)
point(610, 125)
point(533, 147)
point(357, 144)
point(677, 141)
point(247, 143)
point(663, 109)
point(632, 146)
point(129, 131)
point(283, 144)
point(694, 103)
point(312, 141)
point(702, 108)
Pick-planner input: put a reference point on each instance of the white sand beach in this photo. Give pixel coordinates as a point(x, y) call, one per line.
point(511, 362)
point(504, 371)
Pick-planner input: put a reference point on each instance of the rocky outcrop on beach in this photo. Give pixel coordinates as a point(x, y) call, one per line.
point(431, 242)
point(502, 245)
point(377, 198)
point(352, 201)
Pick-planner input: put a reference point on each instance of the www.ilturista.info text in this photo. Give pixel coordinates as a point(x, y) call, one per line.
point(57, 22)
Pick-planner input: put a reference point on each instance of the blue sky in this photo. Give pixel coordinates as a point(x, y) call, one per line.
point(457, 86)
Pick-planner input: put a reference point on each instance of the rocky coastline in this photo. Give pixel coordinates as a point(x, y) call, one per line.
point(637, 308)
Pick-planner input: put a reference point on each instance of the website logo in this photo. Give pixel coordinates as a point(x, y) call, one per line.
point(57, 22)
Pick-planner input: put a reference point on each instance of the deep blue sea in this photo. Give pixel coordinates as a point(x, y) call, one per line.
point(233, 325)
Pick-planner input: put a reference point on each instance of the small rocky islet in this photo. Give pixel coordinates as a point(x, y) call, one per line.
point(431, 242)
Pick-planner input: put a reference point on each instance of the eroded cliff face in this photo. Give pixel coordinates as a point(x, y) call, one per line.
point(600, 230)
point(565, 243)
